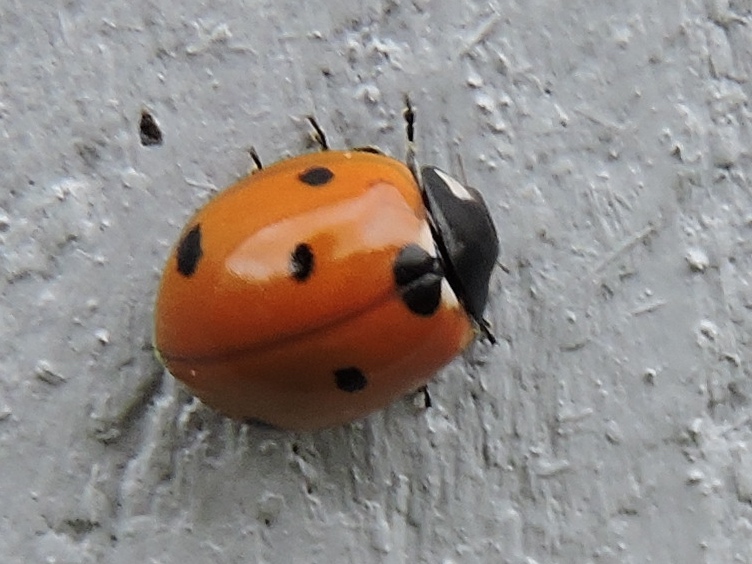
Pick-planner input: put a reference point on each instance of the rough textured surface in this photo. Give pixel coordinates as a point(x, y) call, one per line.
point(613, 422)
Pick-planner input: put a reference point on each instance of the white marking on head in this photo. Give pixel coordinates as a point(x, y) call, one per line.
point(448, 297)
point(425, 240)
point(455, 186)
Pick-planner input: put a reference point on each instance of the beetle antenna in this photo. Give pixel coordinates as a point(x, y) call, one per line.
point(409, 115)
point(462, 170)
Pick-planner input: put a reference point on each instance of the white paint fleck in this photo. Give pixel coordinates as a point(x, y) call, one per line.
point(743, 473)
point(102, 335)
point(550, 468)
point(708, 330)
point(614, 434)
point(269, 507)
point(474, 80)
point(573, 416)
point(695, 476)
point(379, 527)
point(48, 374)
point(485, 102)
point(649, 375)
point(207, 37)
point(697, 259)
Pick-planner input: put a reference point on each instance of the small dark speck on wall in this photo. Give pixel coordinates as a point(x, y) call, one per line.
point(149, 130)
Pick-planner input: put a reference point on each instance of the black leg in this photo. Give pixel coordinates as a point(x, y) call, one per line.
point(318, 135)
point(255, 158)
point(485, 329)
point(409, 115)
point(426, 396)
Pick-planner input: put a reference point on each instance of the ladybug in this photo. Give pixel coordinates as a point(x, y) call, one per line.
point(323, 287)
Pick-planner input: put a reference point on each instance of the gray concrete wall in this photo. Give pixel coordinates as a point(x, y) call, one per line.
point(611, 424)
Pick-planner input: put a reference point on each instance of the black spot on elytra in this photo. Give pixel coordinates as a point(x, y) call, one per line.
point(149, 130)
point(316, 176)
point(350, 379)
point(418, 276)
point(189, 251)
point(301, 262)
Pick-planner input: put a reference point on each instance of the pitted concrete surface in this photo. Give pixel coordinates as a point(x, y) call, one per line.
point(611, 424)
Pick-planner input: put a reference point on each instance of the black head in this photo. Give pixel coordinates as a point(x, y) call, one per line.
point(465, 235)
